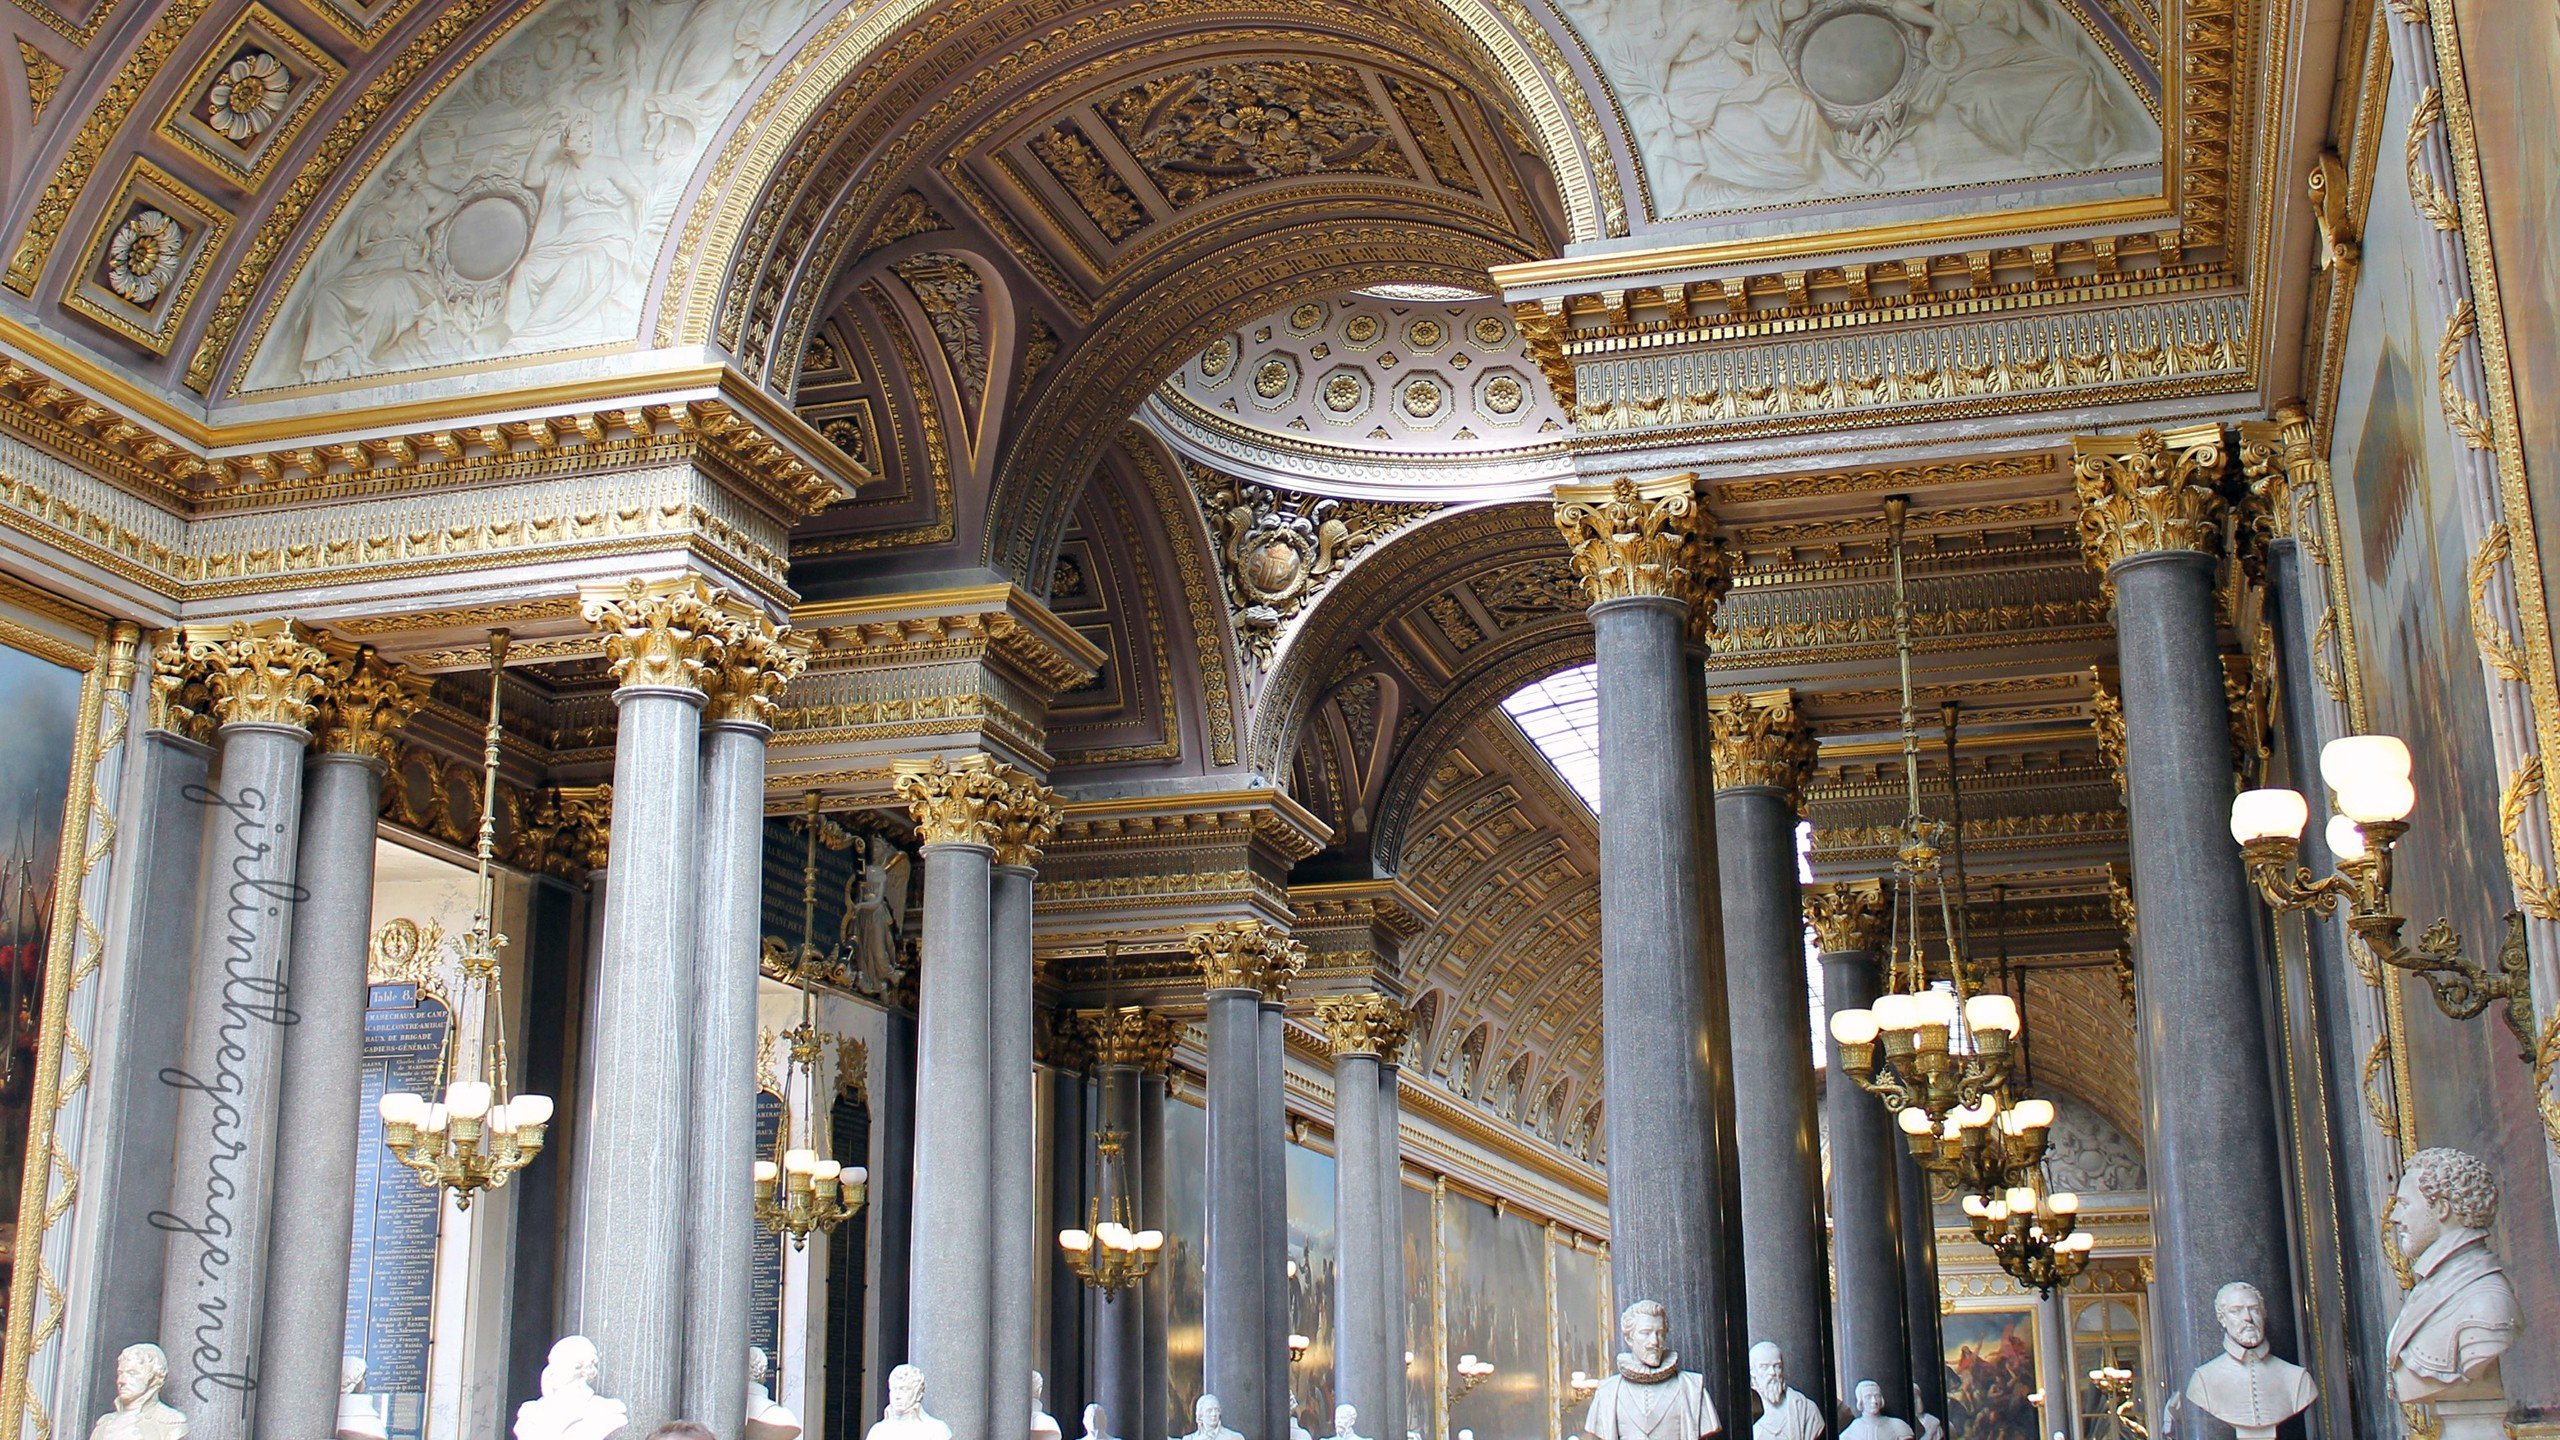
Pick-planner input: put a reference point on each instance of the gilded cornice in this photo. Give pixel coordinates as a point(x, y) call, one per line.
point(1847, 917)
point(920, 627)
point(1366, 1024)
point(1130, 1035)
point(2150, 492)
point(1761, 739)
point(1267, 817)
point(1247, 955)
point(957, 802)
point(1883, 480)
point(1643, 538)
point(363, 700)
point(268, 673)
point(1388, 903)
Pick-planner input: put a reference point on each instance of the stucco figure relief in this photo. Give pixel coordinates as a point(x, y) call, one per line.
point(1737, 104)
point(524, 212)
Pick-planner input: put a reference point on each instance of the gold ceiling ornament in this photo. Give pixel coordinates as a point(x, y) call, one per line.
point(745, 685)
point(1278, 550)
point(364, 700)
point(1847, 917)
point(266, 673)
point(2150, 492)
point(180, 703)
point(2341, 233)
point(1130, 1035)
point(956, 802)
point(1247, 955)
point(1637, 538)
point(1364, 1024)
point(1761, 739)
point(659, 635)
point(1025, 823)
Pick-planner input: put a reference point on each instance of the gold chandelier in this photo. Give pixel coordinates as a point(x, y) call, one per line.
point(479, 1133)
point(1942, 1052)
point(1108, 1252)
point(2035, 1236)
point(801, 1188)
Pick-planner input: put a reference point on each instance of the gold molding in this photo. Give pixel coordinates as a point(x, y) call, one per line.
point(1004, 618)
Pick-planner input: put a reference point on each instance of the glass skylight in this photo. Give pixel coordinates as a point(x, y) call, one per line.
point(1561, 716)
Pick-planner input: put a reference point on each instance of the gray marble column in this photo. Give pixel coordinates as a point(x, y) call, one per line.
point(1866, 1187)
point(951, 1281)
point(636, 1102)
point(1762, 755)
point(1118, 1322)
point(1364, 1372)
point(893, 1190)
point(720, 1221)
point(1635, 547)
point(1240, 962)
point(230, 1077)
point(314, 1226)
point(1130, 1047)
point(152, 927)
point(1389, 1423)
point(1016, 1213)
point(1155, 1293)
point(1920, 1294)
point(2152, 517)
point(1069, 1117)
point(1271, 1117)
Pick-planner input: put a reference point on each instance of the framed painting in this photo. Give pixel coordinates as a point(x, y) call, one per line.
point(1993, 1373)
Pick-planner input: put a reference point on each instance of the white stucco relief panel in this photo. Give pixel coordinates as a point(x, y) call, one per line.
point(524, 211)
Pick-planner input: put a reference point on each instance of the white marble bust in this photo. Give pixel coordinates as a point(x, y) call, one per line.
point(1785, 1414)
point(359, 1416)
point(1097, 1423)
point(903, 1418)
point(1209, 1421)
point(570, 1408)
point(1931, 1427)
point(2246, 1387)
point(1346, 1423)
point(140, 1414)
point(2462, 1314)
point(766, 1420)
point(1296, 1430)
point(1651, 1397)
point(1044, 1426)
point(1871, 1423)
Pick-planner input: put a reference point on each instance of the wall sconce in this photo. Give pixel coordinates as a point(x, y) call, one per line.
point(1582, 1386)
point(1298, 1348)
point(2370, 776)
point(1469, 1373)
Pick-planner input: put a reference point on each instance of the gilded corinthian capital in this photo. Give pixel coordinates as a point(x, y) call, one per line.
point(180, 703)
point(361, 702)
point(1647, 537)
point(1367, 1024)
point(2149, 493)
point(263, 674)
point(1845, 917)
point(1130, 1035)
point(660, 635)
point(755, 660)
point(1761, 739)
point(956, 802)
point(1247, 955)
point(1029, 817)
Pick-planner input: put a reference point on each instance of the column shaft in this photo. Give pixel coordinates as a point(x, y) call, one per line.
point(1271, 1119)
point(1390, 1424)
point(323, 1087)
point(1156, 1291)
point(1866, 1209)
point(1118, 1318)
point(636, 1107)
point(1237, 1367)
point(1073, 1101)
point(720, 1218)
point(950, 1300)
point(213, 1291)
point(2210, 1117)
point(1777, 1133)
point(1363, 1371)
point(1920, 1298)
point(1016, 1214)
point(893, 1194)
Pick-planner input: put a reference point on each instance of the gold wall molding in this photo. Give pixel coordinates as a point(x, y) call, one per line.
point(1761, 739)
point(2149, 492)
point(1217, 696)
point(1004, 621)
point(1886, 480)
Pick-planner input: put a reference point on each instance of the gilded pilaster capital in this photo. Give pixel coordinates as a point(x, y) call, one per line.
point(180, 703)
point(364, 699)
point(664, 635)
point(1846, 916)
point(1648, 537)
point(2148, 493)
point(1366, 1024)
point(1761, 739)
point(1247, 955)
point(956, 802)
point(1131, 1035)
point(745, 680)
point(2106, 716)
point(1028, 818)
point(567, 831)
point(263, 674)
point(1060, 1041)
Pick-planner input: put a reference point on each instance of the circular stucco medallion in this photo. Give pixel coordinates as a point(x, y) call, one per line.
point(1855, 57)
point(486, 237)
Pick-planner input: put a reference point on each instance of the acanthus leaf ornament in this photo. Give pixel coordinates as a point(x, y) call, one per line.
point(1846, 917)
point(1643, 538)
point(1364, 1024)
point(363, 701)
point(1761, 739)
point(1247, 955)
point(658, 636)
point(180, 704)
point(955, 802)
point(2151, 492)
point(1130, 1035)
point(1028, 818)
point(746, 684)
point(264, 674)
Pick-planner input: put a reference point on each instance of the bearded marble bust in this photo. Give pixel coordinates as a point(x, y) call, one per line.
point(570, 1408)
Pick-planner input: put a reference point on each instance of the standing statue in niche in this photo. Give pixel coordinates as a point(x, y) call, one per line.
point(570, 1408)
point(1209, 1421)
point(766, 1420)
point(2462, 1314)
point(903, 1418)
point(1871, 1422)
point(1044, 1426)
point(1785, 1414)
point(876, 922)
point(1346, 1423)
point(359, 1415)
point(1651, 1397)
point(140, 1413)
point(2246, 1387)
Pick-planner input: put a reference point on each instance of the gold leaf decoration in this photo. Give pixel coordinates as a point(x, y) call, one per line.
point(2534, 890)
point(2496, 645)
point(2424, 192)
point(2464, 417)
